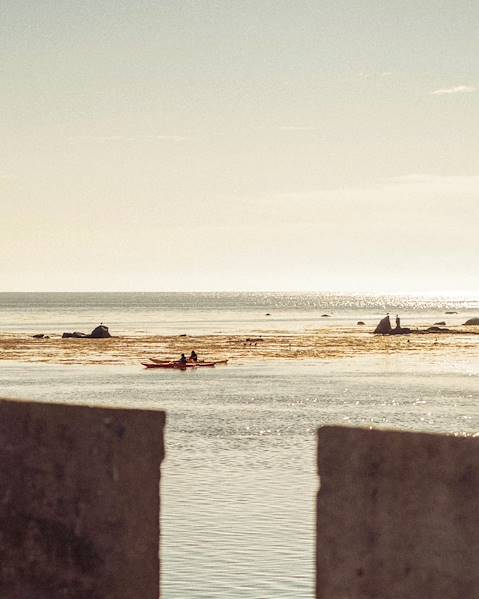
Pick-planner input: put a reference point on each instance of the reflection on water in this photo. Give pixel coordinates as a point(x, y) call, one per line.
point(205, 313)
point(239, 478)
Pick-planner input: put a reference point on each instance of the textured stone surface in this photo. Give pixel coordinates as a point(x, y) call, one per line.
point(79, 502)
point(398, 515)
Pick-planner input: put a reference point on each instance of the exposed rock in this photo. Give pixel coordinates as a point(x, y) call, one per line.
point(437, 330)
point(75, 335)
point(442, 323)
point(38, 336)
point(100, 332)
point(267, 314)
point(360, 322)
point(325, 315)
point(384, 326)
point(401, 331)
point(450, 312)
point(472, 321)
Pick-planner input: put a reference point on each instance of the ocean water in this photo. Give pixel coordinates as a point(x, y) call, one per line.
point(239, 479)
point(198, 313)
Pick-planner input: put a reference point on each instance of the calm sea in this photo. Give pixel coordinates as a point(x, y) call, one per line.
point(239, 478)
point(196, 313)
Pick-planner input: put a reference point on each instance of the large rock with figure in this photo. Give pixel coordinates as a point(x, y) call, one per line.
point(384, 327)
point(100, 332)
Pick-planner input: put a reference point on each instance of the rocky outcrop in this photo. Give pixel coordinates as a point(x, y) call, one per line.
point(100, 332)
point(401, 331)
point(442, 323)
point(360, 322)
point(472, 322)
point(384, 327)
point(75, 335)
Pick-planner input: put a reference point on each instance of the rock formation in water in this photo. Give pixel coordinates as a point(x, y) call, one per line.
point(384, 327)
point(75, 335)
point(472, 321)
point(99, 332)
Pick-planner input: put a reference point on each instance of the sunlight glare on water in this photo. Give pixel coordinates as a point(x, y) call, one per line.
point(239, 482)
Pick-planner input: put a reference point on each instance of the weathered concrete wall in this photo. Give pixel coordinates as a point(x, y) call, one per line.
point(79, 502)
point(398, 515)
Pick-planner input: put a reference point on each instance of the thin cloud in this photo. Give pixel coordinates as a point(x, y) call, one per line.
point(457, 89)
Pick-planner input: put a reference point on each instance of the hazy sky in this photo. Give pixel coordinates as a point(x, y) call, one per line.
point(252, 145)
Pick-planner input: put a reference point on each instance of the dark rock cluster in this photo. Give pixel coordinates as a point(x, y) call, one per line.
point(99, 332)
point(384, 328)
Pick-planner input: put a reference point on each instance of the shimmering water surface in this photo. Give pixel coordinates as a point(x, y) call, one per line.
point(200, 313)
point(239, 479)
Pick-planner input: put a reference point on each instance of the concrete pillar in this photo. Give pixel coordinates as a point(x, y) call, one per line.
point(398, 515)
point(79, 502)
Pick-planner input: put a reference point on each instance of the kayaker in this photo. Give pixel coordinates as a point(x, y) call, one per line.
point(193, 356)
point(183, 361)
